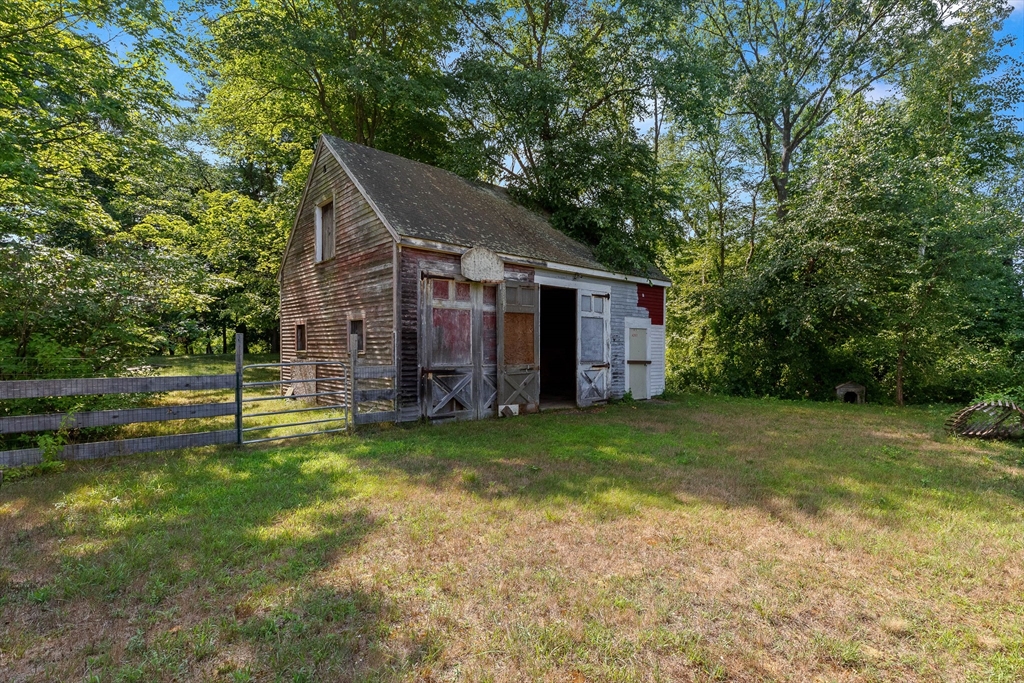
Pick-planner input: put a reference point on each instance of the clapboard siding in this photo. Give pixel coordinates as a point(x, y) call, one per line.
point(356, 283)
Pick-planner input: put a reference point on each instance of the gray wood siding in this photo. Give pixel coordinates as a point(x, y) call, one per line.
point(356, 283)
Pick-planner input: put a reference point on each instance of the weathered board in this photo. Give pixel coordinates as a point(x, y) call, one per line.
point(356, 284)
point(109, 418)
point(106, 449)
point(42, 388)
point(518, 323)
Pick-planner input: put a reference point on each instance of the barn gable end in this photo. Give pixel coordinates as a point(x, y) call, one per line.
point(356, 284)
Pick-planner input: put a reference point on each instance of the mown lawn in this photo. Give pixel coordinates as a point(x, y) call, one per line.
point(694, 539)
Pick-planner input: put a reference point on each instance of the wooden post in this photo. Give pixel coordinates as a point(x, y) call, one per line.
point(353, 349)
point(239, 348)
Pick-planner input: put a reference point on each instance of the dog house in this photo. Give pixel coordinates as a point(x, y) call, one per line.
point(850, 392)
point(484, 308)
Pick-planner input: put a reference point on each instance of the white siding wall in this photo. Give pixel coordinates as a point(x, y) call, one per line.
point(623, 304)
point(657, 342)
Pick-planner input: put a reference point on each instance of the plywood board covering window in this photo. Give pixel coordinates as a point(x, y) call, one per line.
point(325, 233)
point(519, 337)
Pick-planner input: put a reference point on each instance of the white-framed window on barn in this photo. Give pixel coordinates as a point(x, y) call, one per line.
point(300, 337)
point(324, 232)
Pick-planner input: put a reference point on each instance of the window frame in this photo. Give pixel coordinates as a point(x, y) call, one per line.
point(305, 338)
point(362, 333)
point(318, 229)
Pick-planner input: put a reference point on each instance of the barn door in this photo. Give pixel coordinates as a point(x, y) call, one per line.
point(518, 348)
point(448, 363)
point(594, 350)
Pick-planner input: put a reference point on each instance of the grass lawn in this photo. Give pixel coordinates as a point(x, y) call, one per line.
point(695, 539)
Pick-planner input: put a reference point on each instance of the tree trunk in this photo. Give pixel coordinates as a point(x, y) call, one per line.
point(901, 363)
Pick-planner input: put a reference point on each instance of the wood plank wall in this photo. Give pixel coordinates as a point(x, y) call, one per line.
point(356, 283)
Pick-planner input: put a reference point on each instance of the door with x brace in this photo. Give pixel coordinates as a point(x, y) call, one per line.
point(459, 356)
point(594, 351)
point(518, 348)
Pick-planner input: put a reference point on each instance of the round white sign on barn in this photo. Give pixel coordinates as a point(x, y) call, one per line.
point(480, 264)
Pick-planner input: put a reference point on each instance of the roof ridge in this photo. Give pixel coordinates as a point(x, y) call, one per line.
point(422, 201)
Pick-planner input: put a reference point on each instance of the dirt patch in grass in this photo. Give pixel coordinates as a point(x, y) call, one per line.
point(696, 539)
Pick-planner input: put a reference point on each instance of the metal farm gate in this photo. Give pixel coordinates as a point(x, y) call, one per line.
point(337, 394)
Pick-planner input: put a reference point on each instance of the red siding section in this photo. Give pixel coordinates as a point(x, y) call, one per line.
point(652, 298)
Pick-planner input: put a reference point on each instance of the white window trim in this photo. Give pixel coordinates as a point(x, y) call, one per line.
point(318, 229)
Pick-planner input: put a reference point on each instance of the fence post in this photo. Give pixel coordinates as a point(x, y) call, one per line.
point(353, 406)
point(239, 347)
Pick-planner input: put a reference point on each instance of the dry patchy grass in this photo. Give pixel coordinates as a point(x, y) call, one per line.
point(698, 539)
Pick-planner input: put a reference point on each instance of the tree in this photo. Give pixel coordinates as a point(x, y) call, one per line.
point(281, 72)
point(550, 93)
point(789, 66)
point(78, 119)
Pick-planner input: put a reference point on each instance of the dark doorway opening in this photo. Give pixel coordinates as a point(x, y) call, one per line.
point(850, 397)
point(557, 345)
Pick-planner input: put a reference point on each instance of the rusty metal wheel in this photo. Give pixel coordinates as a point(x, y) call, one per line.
point(988, 420)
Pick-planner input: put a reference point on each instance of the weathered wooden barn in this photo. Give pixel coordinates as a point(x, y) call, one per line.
point(484, 308)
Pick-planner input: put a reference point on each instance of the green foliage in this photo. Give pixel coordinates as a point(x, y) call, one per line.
point(552, 93)
point(80, 122)
point(69, 315)
point(896, 260)
point(280, 74)
point(817, 228)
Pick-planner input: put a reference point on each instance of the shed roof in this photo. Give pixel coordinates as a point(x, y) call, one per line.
point(428, 203)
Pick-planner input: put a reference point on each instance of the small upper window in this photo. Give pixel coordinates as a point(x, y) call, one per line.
point(325, 231)
point(300, 337)
point(355, 327)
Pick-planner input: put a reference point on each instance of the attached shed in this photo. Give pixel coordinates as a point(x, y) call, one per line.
point(482, 305)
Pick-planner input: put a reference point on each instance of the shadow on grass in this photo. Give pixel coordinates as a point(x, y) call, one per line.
point(150, 528)
point(784, 457)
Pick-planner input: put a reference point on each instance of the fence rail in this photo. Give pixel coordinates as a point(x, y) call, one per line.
point(111, 418)
point(96, 386)
point(106, 449)
point(342, 393)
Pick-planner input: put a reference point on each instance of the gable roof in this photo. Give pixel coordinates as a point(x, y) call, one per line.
point(424, 202)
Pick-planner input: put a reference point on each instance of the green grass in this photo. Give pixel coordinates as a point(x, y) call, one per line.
point(696, 539)
point(215, 364)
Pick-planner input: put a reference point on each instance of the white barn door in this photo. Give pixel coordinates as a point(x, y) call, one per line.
point(593, 355)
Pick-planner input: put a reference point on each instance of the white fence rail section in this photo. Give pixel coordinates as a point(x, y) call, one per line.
point(337, 394)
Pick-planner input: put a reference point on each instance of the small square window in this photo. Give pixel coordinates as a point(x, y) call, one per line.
point(300, 337)
point(355, 327)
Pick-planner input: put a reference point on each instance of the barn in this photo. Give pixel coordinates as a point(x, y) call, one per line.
point(482, 306)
